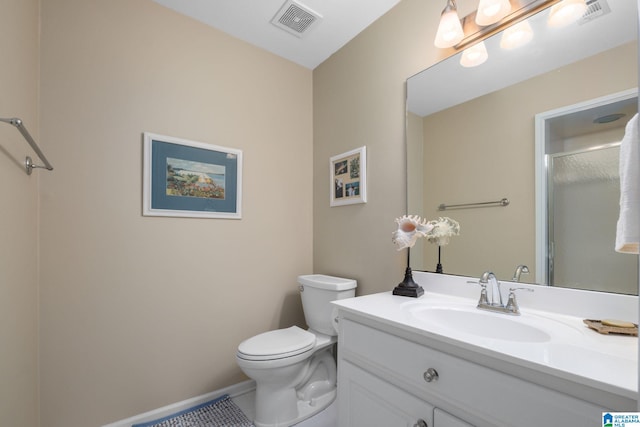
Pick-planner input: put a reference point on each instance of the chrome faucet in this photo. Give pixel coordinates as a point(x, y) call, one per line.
point(489, 278)
point(496, 304)
point(519, 271)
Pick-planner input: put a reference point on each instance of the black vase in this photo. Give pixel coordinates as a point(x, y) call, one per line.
point(408, 288)
point(439, 266)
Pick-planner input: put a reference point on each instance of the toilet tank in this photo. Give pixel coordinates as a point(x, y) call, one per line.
point(317, 291)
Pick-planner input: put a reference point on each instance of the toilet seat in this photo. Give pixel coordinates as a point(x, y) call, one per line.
point(278, 344)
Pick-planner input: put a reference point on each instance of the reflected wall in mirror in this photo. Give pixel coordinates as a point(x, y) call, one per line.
point(471, 137)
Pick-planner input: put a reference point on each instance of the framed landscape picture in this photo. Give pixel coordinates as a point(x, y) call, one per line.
point(190, 179)
point(348, 178)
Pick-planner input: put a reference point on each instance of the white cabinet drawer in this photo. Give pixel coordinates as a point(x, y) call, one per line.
point(443, 419)
point(367, 401)
point(466, 389)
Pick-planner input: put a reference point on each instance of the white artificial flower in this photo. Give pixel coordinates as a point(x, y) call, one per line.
point(442, 229)
point(410, 229)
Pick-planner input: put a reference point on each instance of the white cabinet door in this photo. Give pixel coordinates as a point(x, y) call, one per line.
point(444, 419)
point(365, 400)
point(494, 398)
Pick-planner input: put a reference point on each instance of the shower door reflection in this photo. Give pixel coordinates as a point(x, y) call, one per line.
point(584, 196)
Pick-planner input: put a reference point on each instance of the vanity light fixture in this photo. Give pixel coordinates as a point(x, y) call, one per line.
point(474, 55)
point(449, 31)
point(458, 33)
point(566, 12)
point(491, 11)
point(516, 36)
point(494, 16)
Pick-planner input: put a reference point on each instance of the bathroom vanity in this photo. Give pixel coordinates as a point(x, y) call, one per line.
point(437, 361)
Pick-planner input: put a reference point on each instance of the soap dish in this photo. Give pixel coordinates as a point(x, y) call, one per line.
point(597, 326)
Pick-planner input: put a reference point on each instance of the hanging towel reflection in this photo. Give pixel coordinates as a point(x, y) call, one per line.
point(628, 228)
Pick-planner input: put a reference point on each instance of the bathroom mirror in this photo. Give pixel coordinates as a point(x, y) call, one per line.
point(473, 134)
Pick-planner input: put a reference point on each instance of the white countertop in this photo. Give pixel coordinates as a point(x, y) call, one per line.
point(569, 350)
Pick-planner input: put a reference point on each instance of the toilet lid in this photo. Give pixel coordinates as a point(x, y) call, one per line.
point(277, 344)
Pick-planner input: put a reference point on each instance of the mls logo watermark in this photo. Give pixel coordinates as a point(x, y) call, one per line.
point(620, 419)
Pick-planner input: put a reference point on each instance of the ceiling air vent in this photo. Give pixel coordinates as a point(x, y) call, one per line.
point(295, 18)
point(595, 9)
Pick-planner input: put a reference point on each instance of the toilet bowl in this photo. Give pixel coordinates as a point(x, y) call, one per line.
point(295, 369)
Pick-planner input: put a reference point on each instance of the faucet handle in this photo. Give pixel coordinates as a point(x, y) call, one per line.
point(484, 300)
point(512, 304)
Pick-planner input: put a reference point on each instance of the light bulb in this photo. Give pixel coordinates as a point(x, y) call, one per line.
point(450, 29)
point(474, 56)
point(566, 12)
point(516, 35)
point(491, 11)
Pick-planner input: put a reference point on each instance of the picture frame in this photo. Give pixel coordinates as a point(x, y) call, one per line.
point(348, 178)
point(183, 178)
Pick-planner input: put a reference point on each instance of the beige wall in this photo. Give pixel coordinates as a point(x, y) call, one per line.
point(359, 99)
point(18, 216)
point(415, 178)
point(139, 312)
point(492, 162)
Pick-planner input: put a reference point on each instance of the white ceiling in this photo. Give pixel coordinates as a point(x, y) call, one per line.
point(250, 20)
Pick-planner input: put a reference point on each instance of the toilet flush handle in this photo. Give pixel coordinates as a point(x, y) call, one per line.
point(301, 288)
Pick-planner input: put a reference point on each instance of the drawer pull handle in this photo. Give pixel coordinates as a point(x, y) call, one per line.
point(430, 375)
point(421, 423)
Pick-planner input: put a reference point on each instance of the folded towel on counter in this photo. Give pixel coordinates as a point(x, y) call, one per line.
point(628, 228)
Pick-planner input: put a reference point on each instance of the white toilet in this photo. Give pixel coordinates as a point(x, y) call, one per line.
point(294, 369)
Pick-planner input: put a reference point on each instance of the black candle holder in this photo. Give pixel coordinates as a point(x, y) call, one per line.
point(408, 288)
point(439, 266)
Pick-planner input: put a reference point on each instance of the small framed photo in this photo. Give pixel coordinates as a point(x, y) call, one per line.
point(190, 179)
point(348, 177)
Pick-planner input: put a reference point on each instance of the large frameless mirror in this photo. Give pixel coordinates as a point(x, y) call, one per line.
point(538, 126)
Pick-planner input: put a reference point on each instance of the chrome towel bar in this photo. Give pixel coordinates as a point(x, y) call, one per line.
point(28, 163)
point(502, 202)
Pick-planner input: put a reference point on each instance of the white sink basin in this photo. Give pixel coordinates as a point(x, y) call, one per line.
point(481, 323)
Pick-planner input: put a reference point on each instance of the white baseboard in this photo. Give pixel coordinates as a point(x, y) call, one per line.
point(233, 391)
